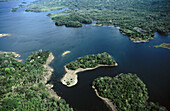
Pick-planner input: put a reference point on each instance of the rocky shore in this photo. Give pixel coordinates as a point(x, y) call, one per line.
point(106, 100)
point(47, 76)
point(70, 78)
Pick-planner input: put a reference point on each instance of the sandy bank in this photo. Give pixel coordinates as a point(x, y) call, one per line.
point(106, 100)
point(70, 78)
point(66, 52)
point(47, 76)
point(13, 53)
point(138, 41)
point(97, 24)
point(51, 91)
point(4, 35)
point(138, 28)
point(49, 70)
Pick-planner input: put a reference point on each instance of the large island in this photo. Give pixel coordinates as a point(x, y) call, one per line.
point(24, 86)
point(85, 63)
point(125, 92)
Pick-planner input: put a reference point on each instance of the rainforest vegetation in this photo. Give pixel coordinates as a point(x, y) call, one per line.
point(138, 19)
point(163, 45)
point(72, 20)
point(127, 92)
point(91, 61)
point(22, 86)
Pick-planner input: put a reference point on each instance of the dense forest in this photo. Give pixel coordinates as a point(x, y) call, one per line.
point(91, 61)
point(22, 86)
point(72, 20)
point(127, 92)
point(138, 19)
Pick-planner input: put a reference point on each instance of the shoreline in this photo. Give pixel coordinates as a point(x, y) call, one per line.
point(106, 100)
point(13, 53)
point(163, 45)
point(47, 76)
point(132, 39)
point(138, 41)
point(71, 77)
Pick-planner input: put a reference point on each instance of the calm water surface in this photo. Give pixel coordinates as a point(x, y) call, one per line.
point(34, 31)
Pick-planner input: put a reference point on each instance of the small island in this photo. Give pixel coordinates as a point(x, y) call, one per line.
point(65, 52)
point(125, 92)
point(163, 45)
point(85, 63)
point(4, 35)
point(24, 86)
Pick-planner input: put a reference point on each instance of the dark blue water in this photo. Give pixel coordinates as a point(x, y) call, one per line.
point(34, 31)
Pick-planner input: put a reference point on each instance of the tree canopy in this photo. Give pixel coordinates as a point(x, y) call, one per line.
point(127, 92)
point(22, 86)
point(91, 61)
point(138, 19)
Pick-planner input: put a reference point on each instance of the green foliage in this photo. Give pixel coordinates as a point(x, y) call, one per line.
point(14, 9)
point(42, 6)
point(151, 106)
point(73, 24)
point(21, 85)
point(163, 45)
point(138, 19)
point(72, 20)
point(68, 83)
point(91, 61)
point(126, 91)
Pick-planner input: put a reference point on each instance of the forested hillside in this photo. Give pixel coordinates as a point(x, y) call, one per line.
point(22, 86)
point(138, 19)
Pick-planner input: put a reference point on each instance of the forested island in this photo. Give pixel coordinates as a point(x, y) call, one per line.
point(163, 45)
point(23, 86)
point(138, 19)
point(85, 63)
point(126, 92)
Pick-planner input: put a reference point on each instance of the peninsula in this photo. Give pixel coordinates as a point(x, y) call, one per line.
point(24, 86)
point(85, 63)
point(125, 92)
point(163, 45)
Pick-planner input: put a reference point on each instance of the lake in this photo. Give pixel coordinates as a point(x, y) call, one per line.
point(34, 31)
